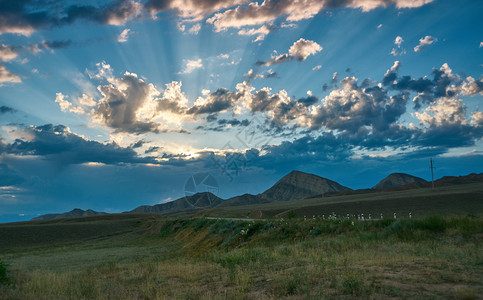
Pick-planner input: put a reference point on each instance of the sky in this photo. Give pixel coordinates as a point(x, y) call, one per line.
point(108, 105)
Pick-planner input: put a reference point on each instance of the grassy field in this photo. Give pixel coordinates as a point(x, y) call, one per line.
point(151, 257)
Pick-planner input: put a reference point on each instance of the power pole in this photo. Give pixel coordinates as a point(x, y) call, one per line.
point(432, 177)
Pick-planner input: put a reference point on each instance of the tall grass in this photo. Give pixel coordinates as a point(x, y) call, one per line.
point(433, 257)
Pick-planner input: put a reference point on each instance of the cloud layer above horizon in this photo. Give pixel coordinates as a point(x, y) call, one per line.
point(233, 87)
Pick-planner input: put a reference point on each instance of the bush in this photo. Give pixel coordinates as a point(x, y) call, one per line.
point(353, 284)
point(3, 273)
point(432, 223)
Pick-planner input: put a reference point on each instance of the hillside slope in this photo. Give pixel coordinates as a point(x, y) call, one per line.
point(397, 179)
point(298, 185)
point(75, 213)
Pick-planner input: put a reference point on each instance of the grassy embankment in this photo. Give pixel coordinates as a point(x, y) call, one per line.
point(148, 257)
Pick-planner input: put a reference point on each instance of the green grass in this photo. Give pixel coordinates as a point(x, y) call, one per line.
point(150, 257)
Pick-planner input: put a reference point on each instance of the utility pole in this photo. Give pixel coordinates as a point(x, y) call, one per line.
point(432, 177)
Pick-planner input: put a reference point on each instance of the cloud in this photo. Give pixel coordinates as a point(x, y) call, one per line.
point(124, 35)
point(190, 10)
point(67, 106)
point(223, 56)
point(58, 143)
point(268, 11)
point(195, 28)
point(215, 102)
point(192, 65)
point(300, 50)
point(7, 76)
point(424, 42)
point(379, 26)
point(26, 17)
point(123, 99)
point(251, 74)
point(173, 100)
point(398, 50)
point(6, 109)
point(261, 32)
point(367, 115)
point(316, 68)
point(8, 52)
point(481, 45)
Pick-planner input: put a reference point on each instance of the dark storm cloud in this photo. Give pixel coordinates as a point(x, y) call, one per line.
point(311, 100)
point(6, 109)
point(276, 60)
point(123, 98)
point(325, 147)
point(217, 101)
point(54, 45)
point(27, 16)
point(58, 143)
point(429, 89)
point(224, 124)
point(138, 144)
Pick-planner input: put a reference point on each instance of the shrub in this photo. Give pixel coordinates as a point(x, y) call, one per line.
point(3, 273)
point(353, 284)
point(432, 223)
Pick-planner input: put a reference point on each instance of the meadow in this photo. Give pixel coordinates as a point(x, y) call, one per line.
point(154, 257)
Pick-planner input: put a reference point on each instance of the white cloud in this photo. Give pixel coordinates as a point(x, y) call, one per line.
point(379, 26)
point(261, 32)
point(223, 56)
point(181, 27)
point(481, 45)
point(292, 11)
point(127, 11)
point(445, 111)
point(424, 42)
point(398, 50)
point(85, 100)
point(65, 105)
point(7, 76)
point(123, 36)
point(195, 29)
point(192, 65)
point(7, 52)
point(316, 68)
point(302, 48)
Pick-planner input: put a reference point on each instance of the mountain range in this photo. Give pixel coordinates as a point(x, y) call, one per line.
point(75, 213)
point(296, 185)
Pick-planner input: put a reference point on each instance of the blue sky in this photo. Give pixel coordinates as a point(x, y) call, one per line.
point(115, 104)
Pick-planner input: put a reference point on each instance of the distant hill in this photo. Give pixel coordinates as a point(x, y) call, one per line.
point(396, 180)
point(454, 180)
point(75, 213)
point(299, 185)
point(294, 186)
point(245, 199)
point(198, 200)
